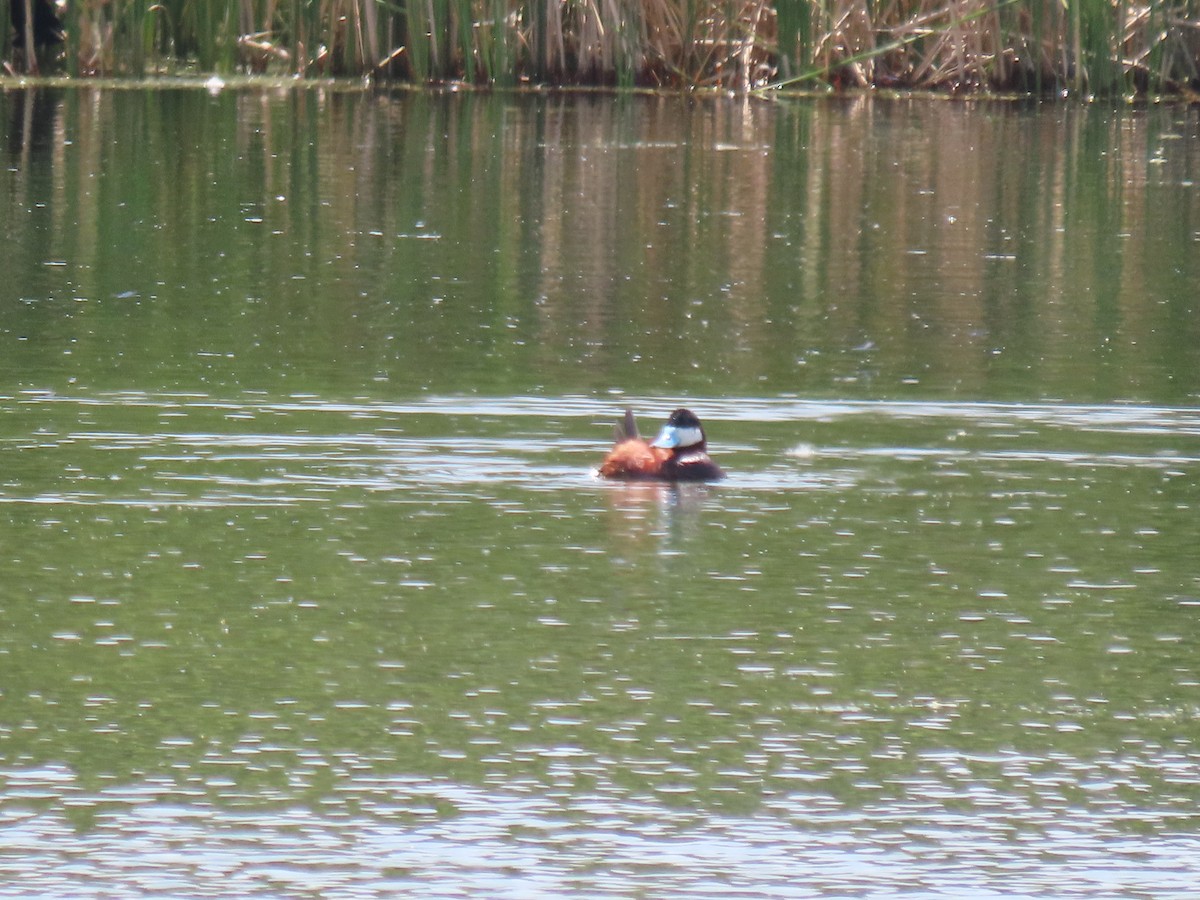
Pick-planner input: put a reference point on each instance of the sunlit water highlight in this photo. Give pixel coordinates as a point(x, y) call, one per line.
point(442, 839)
point(813, 780)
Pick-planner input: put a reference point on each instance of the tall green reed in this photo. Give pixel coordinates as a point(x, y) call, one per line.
point(1079, 46)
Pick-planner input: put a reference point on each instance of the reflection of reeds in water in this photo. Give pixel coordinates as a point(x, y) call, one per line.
point(987, 245)
point(1083, 45)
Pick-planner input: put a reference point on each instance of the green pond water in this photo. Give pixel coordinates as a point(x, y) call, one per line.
point(307, 587)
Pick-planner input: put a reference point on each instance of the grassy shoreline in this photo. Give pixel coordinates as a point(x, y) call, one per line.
point(1079, 47)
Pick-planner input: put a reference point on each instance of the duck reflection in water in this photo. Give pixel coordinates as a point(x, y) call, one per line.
point(679, 453)
point(654, 519)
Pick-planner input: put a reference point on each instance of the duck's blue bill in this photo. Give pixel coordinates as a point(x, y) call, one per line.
point(668, 437)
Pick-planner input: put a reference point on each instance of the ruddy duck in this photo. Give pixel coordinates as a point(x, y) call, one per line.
point(677, 454)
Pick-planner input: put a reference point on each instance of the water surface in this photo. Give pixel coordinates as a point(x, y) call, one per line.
point(309, 589)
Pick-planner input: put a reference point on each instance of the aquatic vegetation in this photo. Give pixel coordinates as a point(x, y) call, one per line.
point(1079, 46)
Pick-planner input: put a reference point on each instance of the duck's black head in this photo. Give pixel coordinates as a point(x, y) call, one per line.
point(683, 431)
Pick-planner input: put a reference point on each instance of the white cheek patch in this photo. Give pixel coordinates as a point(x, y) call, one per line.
point(679, 437)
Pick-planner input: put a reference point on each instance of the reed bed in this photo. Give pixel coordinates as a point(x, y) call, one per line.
point(1078, 46)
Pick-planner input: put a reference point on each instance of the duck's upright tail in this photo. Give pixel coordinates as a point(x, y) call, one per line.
point(626, 429)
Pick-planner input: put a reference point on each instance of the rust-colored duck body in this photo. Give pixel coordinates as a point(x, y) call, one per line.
point(679, 453)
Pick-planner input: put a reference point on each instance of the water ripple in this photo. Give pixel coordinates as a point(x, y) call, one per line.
point(316, 445)
point(441, 839)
